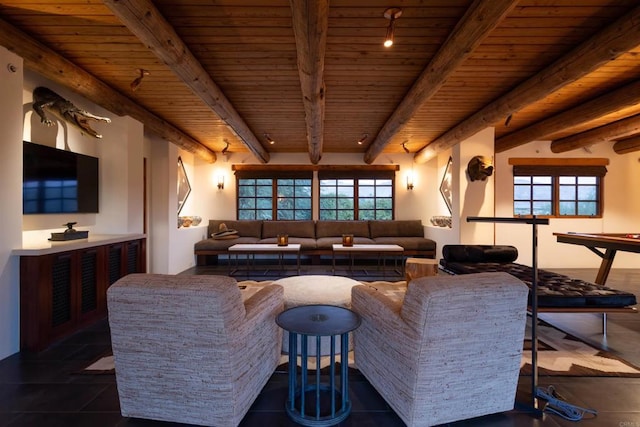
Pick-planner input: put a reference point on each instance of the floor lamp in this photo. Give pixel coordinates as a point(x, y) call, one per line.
point(534, 221)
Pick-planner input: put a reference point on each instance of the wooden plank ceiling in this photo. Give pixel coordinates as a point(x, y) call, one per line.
point(315, 78)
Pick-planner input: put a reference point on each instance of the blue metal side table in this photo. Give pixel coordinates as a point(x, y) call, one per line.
point(318, 403)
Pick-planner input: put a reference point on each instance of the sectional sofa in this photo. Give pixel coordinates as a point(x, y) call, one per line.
point(316, 237)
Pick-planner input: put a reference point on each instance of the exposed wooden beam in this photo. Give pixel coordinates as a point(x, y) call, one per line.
point(616, 130)
point(608, 44)
point(54, 67)
point(623, 97)
point(476, 24)
point(310, 25)
point(145, 21)
point(627, 145)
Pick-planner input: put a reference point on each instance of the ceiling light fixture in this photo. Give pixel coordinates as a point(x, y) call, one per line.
point(226, 147)
point(404, 147)
point(269, 140)
point(363, 139)
point(138, 81)
point(391, 14)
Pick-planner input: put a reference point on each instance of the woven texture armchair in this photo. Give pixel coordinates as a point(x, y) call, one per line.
point(188, 349)
point(450, 351)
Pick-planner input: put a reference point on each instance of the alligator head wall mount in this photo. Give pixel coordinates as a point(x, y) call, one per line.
point(46, 99)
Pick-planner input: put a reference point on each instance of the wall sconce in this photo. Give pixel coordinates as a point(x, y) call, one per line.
point(391, 14)
point(410, 181)
point(220, 182)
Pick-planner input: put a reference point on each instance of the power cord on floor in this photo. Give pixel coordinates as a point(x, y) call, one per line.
point(556, 405)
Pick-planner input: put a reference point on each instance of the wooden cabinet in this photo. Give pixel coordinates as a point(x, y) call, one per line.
point(63, 291)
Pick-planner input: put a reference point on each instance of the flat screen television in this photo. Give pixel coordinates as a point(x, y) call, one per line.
point(58, 181)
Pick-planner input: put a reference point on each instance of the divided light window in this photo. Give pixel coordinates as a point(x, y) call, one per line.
point(558, 191)
point(356, 195)
point(273, 195)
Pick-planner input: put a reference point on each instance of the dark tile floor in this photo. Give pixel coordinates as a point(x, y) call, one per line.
point(45, 389)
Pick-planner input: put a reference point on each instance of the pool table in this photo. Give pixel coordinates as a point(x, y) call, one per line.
point(596, 242)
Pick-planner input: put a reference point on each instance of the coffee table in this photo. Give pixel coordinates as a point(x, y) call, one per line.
point(252, 249)
point(382, 252)
point(318, 403)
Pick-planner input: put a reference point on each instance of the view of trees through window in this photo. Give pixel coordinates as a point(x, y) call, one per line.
point(284, 198)
point(558, 196)
point(356, 198)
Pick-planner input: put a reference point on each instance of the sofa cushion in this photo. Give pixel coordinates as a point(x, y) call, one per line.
point(292, 228)
point(245, 227)
point(408, 243)
point(338, 228)
point(222, 244)
point(396, 228)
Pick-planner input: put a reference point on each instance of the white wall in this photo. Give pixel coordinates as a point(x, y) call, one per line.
point(11, 196)
point(621, 213)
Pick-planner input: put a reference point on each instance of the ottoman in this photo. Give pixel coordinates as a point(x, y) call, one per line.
point(316, 289)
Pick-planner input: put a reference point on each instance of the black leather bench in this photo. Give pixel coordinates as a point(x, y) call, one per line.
point(554, 290)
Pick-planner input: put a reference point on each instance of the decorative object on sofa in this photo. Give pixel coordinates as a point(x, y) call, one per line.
point(283, 239)
point(45, 98)
point(422, 370)
point(184, 188)
point(479, 168)
point(69, 234)
point(224, 233)
point(347, 240)
point(446, 186)
point(441, 221)
point(213, 356)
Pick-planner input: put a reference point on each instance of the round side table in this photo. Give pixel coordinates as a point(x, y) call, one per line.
point(318, 403)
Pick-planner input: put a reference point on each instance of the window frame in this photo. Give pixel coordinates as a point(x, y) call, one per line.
point(555, 171)
point(274, 197)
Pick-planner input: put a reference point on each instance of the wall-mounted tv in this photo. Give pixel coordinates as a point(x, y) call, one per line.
point(58, 181)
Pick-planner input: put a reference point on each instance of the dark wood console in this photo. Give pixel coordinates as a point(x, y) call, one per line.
point(63, 287)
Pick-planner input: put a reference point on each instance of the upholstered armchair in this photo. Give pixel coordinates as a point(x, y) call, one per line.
point(449, 351)
point(188, 349)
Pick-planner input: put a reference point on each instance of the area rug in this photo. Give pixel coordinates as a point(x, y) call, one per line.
point(559, 354)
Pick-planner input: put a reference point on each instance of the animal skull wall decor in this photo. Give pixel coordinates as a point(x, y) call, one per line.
point(479, 168)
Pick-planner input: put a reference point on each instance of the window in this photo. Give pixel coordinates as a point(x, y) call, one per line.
point(558, 191)
point(269, 196)
point(361, 196)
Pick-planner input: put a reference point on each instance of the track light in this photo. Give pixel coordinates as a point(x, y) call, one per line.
point(391, 14)
point(268, 138)
point(404, 147)
point(138, 81)
point(363, 139)
point(226, 147)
